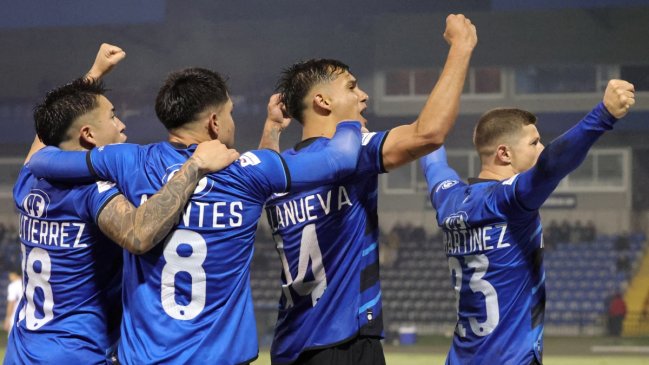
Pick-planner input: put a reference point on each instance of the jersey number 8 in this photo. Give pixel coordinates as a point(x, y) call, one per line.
point(192, 265)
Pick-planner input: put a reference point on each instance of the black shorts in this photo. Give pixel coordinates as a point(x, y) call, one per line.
point(358, 351)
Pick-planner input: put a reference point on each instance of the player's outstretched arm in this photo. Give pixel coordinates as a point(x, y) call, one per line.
point(564, 154)
point(407, 143)
point(107, 57)
point(337, 160)
point(276, 121)
point(139, 229)
point(436, 169)
point(55, 164)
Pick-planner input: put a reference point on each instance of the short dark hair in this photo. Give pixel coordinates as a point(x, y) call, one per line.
point(498, 124)
point(62, 106)
point(298, 79)
point(186, 93)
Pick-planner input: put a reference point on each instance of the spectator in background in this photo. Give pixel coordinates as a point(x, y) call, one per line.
point(576, 234)
point(389, 249)
point(3, 230)
point(622, 242)
point(623, 264)
point(14, 293)
point(564, 231)
point(418, 235)
point(590, 232)
point(551, 235)
point(616, 314)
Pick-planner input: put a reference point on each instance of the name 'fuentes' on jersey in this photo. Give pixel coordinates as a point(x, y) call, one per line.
point(224, 214)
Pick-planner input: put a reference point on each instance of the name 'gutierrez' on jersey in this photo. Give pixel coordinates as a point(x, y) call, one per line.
point(70, 310)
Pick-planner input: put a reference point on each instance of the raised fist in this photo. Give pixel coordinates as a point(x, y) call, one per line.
point(619, 97)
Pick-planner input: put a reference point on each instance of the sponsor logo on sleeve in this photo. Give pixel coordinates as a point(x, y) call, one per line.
point(367, 137)
point(249, 159)
point(446, 184)
point(103, 186)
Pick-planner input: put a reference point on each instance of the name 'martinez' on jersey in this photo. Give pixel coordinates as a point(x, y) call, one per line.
point(461, 239)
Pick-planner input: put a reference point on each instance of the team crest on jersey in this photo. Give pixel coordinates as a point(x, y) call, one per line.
point(104, 186)
point(447, 184)
point(456, 221)
point(367, 137)
point(249, 159)
point(203, 187)
point(35, 204)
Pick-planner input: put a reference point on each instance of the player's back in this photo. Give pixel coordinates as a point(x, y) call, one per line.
point(328, 243)
point(188, 300)
point(70, 310)
point(495, 257)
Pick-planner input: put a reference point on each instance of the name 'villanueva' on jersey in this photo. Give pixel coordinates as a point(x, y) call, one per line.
point(307, 208)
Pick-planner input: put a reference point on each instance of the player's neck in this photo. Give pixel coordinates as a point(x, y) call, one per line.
point(496, 172)
point(318, 127)
point(72, 145)
point(188, 137)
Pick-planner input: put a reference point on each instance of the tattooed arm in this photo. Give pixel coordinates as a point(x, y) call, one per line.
point(276, 122)
point(139, 229)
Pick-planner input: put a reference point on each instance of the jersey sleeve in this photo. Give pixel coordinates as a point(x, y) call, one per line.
point(94, 198)
point(264, 171)
point(58, 165)
point(562, 156)
point(370, 160)
point(436, 169)
point(505, 198)
point(111, 162)
point(338, 159)
point(116, 162)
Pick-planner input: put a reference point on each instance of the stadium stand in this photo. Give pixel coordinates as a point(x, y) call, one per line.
point(580, 279)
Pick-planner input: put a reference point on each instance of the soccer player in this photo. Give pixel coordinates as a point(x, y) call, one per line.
point(188, 301)
point(492, 228)
point(70, 311)
point(330, 309)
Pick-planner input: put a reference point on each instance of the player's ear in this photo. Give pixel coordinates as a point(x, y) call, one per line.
point(503, 154)
point(321, 103)
point(87, 136)
point(213, 125)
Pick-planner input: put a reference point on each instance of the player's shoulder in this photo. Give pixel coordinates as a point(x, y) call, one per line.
point(121, 147)
point(369, 138)
point(254, 163)
point(256, 157)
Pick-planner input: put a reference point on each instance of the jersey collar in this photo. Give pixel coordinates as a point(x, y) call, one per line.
point(477, 180)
